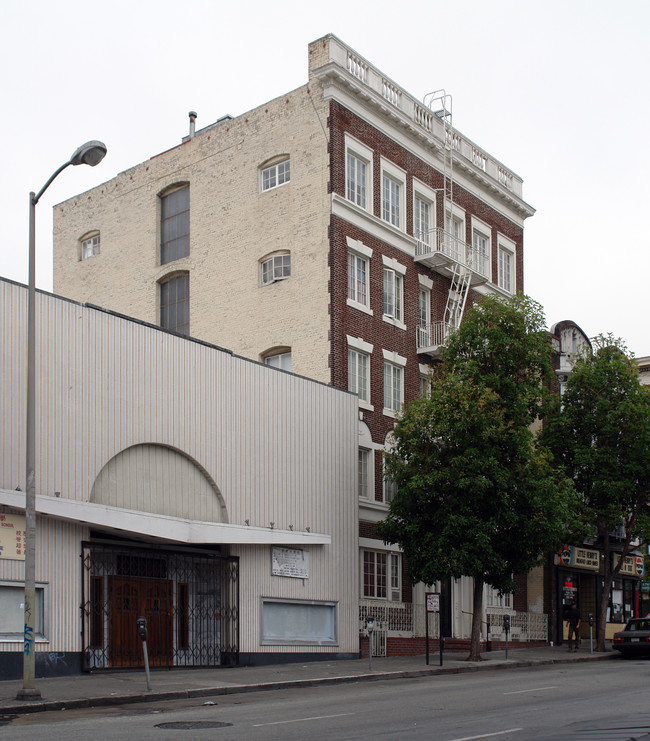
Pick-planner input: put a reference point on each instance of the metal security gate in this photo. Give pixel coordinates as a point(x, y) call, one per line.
point(190, 601)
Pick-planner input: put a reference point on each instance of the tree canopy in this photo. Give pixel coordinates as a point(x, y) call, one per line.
point(600, 436)
point(475, 496)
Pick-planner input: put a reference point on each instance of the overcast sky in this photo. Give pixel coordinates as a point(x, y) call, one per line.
point(557, 90)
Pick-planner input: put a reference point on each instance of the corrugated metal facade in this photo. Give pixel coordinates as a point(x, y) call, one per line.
point(227, 439)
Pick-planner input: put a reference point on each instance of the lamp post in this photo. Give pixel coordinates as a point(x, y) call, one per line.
point(91, 153)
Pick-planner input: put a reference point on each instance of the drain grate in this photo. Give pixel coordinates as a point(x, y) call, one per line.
point(189, 725)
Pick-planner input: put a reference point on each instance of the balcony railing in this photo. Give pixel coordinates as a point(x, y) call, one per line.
point(431, 337)
point(438, 248)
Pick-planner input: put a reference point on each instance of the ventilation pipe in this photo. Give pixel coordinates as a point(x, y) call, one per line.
point(192, 115)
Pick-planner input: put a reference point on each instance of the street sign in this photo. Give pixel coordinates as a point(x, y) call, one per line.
point(433, 601)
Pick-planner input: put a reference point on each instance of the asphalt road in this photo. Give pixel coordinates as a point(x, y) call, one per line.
point(603, 701)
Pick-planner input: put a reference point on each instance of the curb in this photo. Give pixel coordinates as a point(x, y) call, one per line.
point(109, 700)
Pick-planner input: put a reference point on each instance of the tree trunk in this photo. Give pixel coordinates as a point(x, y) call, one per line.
point(477, 618)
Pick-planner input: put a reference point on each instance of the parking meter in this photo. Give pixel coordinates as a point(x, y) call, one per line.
point(141, 625)
point(591, 619)
point(370, 626)
point(506, 628)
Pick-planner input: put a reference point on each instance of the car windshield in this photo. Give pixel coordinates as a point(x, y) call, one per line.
point(638, 625)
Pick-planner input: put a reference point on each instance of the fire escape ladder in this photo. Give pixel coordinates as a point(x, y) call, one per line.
point(457, 297)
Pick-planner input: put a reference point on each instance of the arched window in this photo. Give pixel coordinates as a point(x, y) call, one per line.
point(174, 224)
point(275, 267)
point(89, 245)
point(275, 172)
point(278, 357)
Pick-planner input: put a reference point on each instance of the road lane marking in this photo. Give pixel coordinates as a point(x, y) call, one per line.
point(536, 689)
point(301, 720)
point(488, 735)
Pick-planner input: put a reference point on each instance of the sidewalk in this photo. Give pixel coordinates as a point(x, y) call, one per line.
point(122, 687)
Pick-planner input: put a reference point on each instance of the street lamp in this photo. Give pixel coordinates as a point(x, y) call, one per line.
point(91, 153)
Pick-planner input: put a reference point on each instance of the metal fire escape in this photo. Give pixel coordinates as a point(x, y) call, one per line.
point(450, 253)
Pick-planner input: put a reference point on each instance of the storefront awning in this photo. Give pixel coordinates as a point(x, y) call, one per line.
point(163, 527)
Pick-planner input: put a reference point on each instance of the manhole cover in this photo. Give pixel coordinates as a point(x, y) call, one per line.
point(188, 725)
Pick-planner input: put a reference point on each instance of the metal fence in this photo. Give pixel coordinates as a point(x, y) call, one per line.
point(190, 602)
point(409, 620)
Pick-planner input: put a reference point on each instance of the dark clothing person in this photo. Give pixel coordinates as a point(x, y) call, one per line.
point(572, 617)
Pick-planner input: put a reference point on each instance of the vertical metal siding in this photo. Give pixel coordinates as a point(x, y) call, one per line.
point(280, 448)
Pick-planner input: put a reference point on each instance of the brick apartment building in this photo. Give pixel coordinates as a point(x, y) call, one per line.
point(338, 232)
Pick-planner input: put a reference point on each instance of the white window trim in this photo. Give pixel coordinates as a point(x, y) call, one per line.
point(392, 264)
point(362, 152)
point(360, 345)
point(398, 176)
point(503, 243)
point(360, 250)
point(425, 282)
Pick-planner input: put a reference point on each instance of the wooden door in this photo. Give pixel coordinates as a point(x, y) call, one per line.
point(129, 598)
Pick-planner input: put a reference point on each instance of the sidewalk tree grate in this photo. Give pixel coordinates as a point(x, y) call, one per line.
point(189, 725)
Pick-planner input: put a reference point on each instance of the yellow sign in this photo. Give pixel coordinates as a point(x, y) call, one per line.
point(12, 537)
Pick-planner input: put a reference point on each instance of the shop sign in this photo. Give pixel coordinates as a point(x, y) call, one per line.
point(583, 558)
point(293, 562)
point(632, 565)
point(12, 537)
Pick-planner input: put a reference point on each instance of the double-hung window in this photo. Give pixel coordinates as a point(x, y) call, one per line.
point(422, 221)
point(454, 242)
point(358, 173)
point(393, 189)
point(357, 279)
point(276, 174)
point(393, 292)
point(359, 374)
point(359, 275)
point(390, 200)
point(394, 365)
point(481, 247)
point(506, 264)
point(359, 352)
point(425, 307)
point(364, 473)
point(275, 268)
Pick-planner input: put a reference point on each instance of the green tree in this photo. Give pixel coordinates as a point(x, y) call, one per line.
point(475, 496)
point(600, 435)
